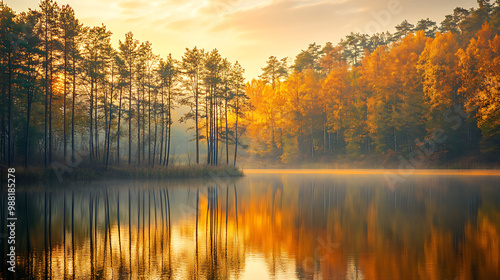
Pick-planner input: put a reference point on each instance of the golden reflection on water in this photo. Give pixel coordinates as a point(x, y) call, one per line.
point(434, 172)
point(264, 226)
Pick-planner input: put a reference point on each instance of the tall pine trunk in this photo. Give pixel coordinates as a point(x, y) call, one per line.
point(10, 149)
point(236, 132)
point(28, 118)
point(196, 125)
point(162, 122)
point(91, 136)
point(169, 122)
point(73, 112)
point(118, 128)
point(149, 119)
point(46, 107)
point(138, 128)
point(96, 144)
point(143, 115)
point(156, 130)
point(64, 94)
point(227, 133)
point(130, 118)
point(110, 115)
point(208, 127)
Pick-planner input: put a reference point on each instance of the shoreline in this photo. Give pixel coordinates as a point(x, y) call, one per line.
point(377, 171)
point(53, 175)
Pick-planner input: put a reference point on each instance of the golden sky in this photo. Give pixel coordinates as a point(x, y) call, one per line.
point(248, 31)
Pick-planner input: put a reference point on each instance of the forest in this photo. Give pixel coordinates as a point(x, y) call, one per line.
point(423, 93)
point(68, 96)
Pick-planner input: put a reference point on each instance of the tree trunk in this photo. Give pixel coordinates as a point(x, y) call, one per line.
point(149, 119)
point(207, 128)
point(130, 119)
point(10, 149)
point(156, 128)
point(138, 128)
point(46, 109)
point(312, 140)
point(110, 115)
point(50, 98)
point(64, 93)
point(324, 139)
point(169, 122)
point(395, 142)
point(118, 132)
point(227, 133)
point(196, 123)
point(28, 118)
point(73, 112)
point(105, 125)
point(91, 136)
point(143, 115)
point(96, 144)
point(162, 125)
point(236, 132)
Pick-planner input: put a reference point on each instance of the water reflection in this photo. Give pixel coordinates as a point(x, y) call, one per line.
point(280, 226)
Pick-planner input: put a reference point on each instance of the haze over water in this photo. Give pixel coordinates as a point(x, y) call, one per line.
point(263, 226)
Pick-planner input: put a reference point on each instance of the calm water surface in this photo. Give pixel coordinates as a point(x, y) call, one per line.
point(262, 226)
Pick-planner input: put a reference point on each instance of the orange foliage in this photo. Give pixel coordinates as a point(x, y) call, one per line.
point(480, 72)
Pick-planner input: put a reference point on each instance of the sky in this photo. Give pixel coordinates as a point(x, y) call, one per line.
point(248, 31)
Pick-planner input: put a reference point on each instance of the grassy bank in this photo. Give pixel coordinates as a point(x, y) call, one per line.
point(35, 174)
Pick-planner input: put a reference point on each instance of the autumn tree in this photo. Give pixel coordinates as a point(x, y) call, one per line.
point(212, 79)
point(240, 103)
point(113, 84)
point(28, 77)
point(274, 70)
point(428, 26)
point(449, 24)
point(128, 53)
point(48, 31)
point(336, 89)
point(475, 18)
point(69, 29)
point(308, 59)
point(479, 71)
point(438, 67)
point(168, 71)
point(97, 48)
point(192, 63)
point(353, 47)
point(403, 29)
point(9, 54)
point(144, 54)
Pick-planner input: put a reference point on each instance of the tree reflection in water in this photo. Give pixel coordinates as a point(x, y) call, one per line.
point(275, 225)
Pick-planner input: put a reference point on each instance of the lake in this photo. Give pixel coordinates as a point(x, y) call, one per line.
point(312, 225)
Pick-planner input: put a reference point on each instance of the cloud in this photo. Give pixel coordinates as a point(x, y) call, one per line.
point(132, 5)
point(290, 20)
point(184, 25)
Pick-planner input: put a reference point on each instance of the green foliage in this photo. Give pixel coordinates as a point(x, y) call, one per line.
point(64, 86)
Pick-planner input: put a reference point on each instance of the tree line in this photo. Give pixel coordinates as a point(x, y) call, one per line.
point(385, 95)
point(66, 93)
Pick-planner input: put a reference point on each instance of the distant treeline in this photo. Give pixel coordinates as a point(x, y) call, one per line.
point(424, 93)
point(68, 96)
